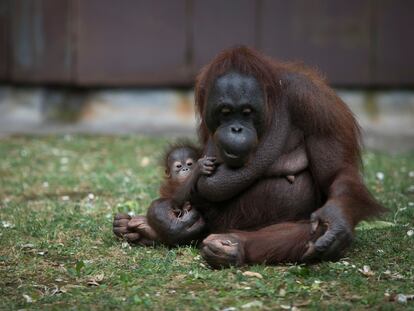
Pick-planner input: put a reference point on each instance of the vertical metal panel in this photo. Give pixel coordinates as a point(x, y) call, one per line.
point(41, 43)
point(163, 42)
point(394, 42)
point(133, 42)
point(221, 24)
point(332, 35)
point(4, 35)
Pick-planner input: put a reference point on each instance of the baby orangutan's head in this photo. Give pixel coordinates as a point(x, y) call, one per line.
point(180, 163)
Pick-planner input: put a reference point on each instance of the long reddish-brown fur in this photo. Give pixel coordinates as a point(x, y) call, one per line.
point(168, 188)
point(332, 140)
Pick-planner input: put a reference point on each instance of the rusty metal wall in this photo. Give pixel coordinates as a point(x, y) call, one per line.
point(131, 42)
point(40, 41)
point(4, 43)
point(393, 53)
point(218, 24)
point(333, 36)
point(165, 42)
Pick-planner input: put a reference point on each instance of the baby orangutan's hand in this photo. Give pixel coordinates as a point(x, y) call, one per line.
point(207, 165)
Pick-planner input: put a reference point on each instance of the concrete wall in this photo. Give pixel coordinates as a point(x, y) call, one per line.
point(386, 117)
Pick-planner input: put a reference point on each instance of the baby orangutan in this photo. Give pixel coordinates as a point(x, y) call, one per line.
point(183, 167)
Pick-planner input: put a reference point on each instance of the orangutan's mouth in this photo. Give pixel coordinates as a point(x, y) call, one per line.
point(230, 155)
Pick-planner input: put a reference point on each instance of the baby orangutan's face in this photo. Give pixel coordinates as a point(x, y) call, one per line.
point(180, 164)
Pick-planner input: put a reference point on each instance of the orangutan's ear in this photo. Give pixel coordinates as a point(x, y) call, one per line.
point(167, 173)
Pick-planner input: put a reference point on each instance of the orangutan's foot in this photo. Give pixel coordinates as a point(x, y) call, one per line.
point(223, 250)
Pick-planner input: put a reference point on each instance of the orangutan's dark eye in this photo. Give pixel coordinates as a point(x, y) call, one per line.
point(225, 111)
point(247, 111)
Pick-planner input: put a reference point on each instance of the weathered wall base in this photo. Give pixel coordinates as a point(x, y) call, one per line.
point(386, 117)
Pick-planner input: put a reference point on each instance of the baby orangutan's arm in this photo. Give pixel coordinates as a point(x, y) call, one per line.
point(205, 166)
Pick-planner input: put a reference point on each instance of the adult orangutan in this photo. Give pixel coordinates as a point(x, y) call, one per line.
point(257, 114)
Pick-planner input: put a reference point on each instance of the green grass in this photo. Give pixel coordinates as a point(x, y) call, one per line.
point(57, 250)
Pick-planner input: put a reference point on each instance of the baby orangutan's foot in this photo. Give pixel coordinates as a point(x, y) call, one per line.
point(223, 250)
point(134, 230)
point(141, 231)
